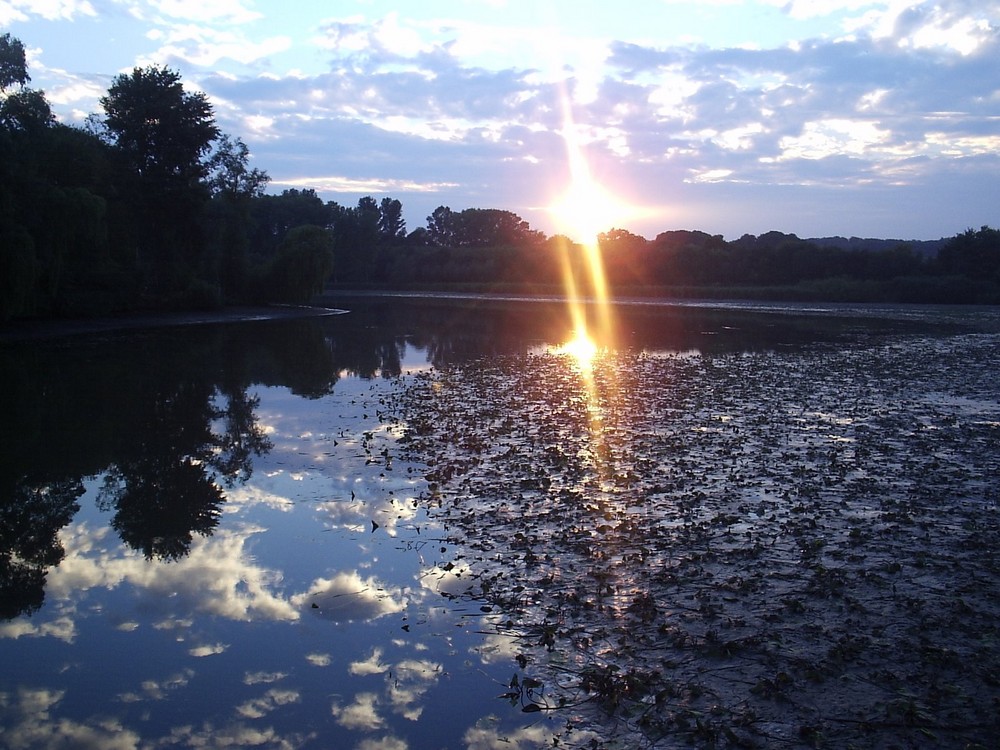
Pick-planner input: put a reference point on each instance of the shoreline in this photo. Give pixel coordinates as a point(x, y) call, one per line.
point(36, 330)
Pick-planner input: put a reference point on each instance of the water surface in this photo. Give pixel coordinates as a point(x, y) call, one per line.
point(210, 535)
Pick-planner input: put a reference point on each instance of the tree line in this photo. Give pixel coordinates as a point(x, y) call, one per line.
point(151, 206)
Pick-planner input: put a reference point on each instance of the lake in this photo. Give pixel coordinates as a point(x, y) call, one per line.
point(427, 523)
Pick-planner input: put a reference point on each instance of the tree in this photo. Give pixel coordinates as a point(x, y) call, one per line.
point(162, 131)
point(303, 265)
point(13, 63)
point(391, 225)
point(26, 110)
point(441, 226)
point(973, 253)
point(356, 234)
point(229, 172)
point(234, 186)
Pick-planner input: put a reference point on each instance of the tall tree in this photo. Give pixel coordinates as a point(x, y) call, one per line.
point(441, 226)
point(392, 226)
point(161, 130)
point(13, 63)
point(230, 173)
point(234, 185)
point(163, 133)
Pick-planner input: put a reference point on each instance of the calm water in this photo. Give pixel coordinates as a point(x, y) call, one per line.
point(206, 537)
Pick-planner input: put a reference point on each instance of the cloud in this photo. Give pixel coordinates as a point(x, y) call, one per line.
point(386, 743)
point(207, 47)
point(362, 714)
point(158, 689)
point(209, 649)
point(487, 735)
point(27, 722)
point(257, 708)
point(61, 628)
point(218, 11)
point(372, 665)
point(257, 678)
point(347, 597)
point(218, 577)
point(50, 10)
point(412, 679)
point(236, 734)
point(364, 186)
point(319, 660)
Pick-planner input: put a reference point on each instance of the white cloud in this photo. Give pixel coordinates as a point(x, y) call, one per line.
point(372, 665)
point(386, 743)
point(218, 577)
point(27, 723)
point(362, 714)
point(61, 628)
point(257, 708)
point(257, 678)
point(207, 47)
point(158, 690)
point(835, 136)
point(412, 679)
point(50, 10)
point(487, 735)
point(354, 185)
point(347, 597)
point(961, 26)
point(236, 734)
point(217, 11)
point(209, 649)
point(319, 660)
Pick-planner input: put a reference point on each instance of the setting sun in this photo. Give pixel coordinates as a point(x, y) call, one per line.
point(586, 208)
point(581, 348)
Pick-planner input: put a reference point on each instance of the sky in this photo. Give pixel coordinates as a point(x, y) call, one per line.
point(812, 117)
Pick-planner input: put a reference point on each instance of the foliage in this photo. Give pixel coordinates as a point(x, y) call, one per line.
point(302, 265)
point(13, 65)
point(160, 130)
point(139, 210)
point(973, 254)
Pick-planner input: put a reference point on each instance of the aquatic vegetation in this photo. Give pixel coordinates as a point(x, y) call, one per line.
point(795, 547)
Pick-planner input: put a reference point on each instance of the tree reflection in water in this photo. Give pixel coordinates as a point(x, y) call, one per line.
point(169, 485)
point(30, 518)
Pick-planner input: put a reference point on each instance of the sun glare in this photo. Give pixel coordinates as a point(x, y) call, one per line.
point(581, 348)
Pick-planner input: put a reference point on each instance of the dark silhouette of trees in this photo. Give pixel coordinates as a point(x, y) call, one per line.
point(31, 516)
point(13, 63)
point(162, 133)
point(391, 226)
point(234, 185)
point(303, 262)
point(974, 254)
point(479, 227)
point(140, 211)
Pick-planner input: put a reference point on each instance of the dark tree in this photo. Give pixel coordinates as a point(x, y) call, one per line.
point(391, 225)
point(274, 216)
point(26, 110)
point(13, 64)
point(442, 226)
point(975, 254)
point(162, 134)
point(356, 235)
point(234, 186)
point(162, 131)
point(303, 264)
point(31, 516)
point(230, 174)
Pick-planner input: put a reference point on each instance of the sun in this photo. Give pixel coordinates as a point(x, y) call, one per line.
point(586, 208)
point(581, 348)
